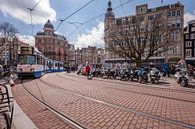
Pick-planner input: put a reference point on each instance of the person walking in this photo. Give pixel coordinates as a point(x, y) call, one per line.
point(88, 69)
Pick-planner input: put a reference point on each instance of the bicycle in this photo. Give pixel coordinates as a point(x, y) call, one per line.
point(6, 108)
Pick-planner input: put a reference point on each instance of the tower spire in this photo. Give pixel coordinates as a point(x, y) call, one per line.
point(109, 6)
point(109, 10)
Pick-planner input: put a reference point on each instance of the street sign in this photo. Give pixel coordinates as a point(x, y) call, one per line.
point(27, 50)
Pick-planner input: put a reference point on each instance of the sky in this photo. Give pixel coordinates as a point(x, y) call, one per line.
point(16, 13)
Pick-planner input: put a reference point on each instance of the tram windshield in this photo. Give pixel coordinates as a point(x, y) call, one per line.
point(26, 59)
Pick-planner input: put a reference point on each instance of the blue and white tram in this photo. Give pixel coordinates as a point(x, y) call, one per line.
point(32, 62)
point(53, 66)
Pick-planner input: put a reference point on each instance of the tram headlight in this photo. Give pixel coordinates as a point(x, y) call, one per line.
point(32, 69)
point(19, 69)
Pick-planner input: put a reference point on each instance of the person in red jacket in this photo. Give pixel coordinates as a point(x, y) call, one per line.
point(87, 69)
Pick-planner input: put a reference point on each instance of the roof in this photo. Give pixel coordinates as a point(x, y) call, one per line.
point(48, 25)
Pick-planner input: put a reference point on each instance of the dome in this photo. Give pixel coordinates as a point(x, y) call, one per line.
point(48, 25)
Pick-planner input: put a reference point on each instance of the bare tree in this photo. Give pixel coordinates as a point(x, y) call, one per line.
point(7, 32)
point(140, 39)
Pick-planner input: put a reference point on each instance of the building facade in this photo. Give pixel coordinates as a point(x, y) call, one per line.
point(52, 45)
point(71, 56)
point(174, 17)
point(189, 42)
point(9, 51)
point(100, 55)
point(93, 55)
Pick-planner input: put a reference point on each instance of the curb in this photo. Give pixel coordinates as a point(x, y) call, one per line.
point(20, 119)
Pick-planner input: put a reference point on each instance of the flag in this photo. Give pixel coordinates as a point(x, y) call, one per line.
point(161, 1)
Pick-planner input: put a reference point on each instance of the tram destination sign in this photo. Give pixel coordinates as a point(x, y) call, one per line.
point(27, 50)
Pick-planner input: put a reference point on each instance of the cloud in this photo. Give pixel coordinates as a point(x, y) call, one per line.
point(93, 38)
point(27, 39)
point(18, 9)
point(188, 17)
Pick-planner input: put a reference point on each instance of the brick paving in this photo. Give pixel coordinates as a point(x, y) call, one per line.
point(97, 115)
point(162, 107)
point(41, 117)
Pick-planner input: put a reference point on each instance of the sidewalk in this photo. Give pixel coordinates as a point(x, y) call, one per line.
point(20, 119)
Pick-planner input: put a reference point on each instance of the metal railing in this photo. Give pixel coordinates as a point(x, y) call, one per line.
point(6, 107)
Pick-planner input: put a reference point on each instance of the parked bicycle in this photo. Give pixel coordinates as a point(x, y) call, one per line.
point(6, 107)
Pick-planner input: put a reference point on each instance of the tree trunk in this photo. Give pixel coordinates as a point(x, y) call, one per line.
point(138, 63)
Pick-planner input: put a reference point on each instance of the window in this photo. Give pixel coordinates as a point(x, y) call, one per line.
point(150, 17)
point(178, 13)
point(175, 50)
point(158, 16)
point(192, 36)
point(173, 13)
point(119, 22)
point(123, 21)
point(188, 44)
point(188, 52)
point(186, 36)
point(169, 14)
point(142, 39)
point(175, 35)
point(178, 24)
point(38, 59)
point(193, 29)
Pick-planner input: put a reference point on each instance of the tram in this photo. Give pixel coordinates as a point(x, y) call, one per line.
point(32, 62)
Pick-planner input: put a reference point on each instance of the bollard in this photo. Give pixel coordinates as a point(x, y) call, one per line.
point(11, 82)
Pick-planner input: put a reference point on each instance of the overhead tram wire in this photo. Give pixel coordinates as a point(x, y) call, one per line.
point(32, 9)
point(61, 21)
point(122, 7)
point(86, 22)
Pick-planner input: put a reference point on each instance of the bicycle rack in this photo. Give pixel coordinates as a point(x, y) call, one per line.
point(6, 105)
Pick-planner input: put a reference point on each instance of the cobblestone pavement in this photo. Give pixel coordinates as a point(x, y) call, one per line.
point(41, 117)
point(100, 103)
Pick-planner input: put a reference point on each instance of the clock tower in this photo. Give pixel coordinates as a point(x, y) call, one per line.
point(109, 17)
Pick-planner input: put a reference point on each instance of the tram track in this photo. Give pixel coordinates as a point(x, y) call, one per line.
point(129, 91)
point(53, 110)
point(131, 110)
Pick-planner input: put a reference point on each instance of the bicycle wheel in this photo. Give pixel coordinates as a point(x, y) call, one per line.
point(1, 96)
point(4, 121)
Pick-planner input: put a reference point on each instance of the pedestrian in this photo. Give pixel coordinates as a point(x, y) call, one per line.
point(87, 70)
point(165, 68)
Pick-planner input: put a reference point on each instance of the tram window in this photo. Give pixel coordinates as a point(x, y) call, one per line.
point(38, 59)
point(42, 61)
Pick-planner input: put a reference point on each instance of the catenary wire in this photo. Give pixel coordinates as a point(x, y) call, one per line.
point(73, 14)
point(86, 22)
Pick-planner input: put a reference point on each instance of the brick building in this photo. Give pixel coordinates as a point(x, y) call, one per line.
point(189, 42)
point(71, 56)
point(93, 55)
point(174, 17)
point(12, 49)
point(52, 45)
